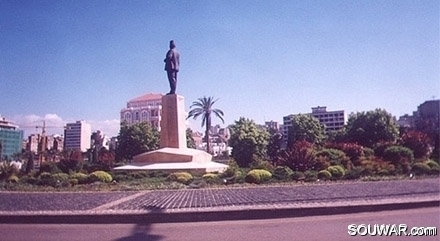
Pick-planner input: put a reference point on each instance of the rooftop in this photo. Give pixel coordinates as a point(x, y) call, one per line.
point(146, 97)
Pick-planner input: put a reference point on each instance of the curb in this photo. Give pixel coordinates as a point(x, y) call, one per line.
point(245, 213)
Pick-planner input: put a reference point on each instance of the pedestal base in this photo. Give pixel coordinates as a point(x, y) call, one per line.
point(175, 159)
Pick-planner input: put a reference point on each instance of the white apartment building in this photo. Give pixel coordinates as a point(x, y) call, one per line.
point(145, 108)
point(77, 136)
point(332, 120)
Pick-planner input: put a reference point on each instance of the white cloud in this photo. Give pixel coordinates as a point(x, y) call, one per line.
point(32, 124)
point(109, 128)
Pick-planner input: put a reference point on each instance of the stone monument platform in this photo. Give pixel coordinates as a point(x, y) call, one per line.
point(173, 153)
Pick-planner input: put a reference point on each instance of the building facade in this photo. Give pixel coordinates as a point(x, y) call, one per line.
point(11, 139)
point(428, 110)
point(53, 142)
point(77, 136)
point(332, 120)
point(145, 108)
point(272, 125)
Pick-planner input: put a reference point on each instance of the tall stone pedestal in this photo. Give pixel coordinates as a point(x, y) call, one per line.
point(173, 153)
point(173, 119)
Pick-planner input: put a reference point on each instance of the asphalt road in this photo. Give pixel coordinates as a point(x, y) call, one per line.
point(334, 227)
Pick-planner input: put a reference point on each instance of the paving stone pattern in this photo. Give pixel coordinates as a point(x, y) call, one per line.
point(218, 197)
point(200, 198)
point(53, 201)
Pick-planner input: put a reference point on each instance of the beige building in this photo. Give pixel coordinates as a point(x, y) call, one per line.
point(332, 120)
point(145, 108)
point(77, 136)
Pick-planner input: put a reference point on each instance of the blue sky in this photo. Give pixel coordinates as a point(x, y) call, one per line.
point(63, 61)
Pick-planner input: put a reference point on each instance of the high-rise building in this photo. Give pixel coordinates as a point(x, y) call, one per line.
point(145, 108)
point(11, 139)
point(429, 109)
point(77, 136)
point(271, 125)
point(332, 120)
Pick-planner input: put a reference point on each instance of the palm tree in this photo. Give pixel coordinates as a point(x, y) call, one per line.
point(203, 107)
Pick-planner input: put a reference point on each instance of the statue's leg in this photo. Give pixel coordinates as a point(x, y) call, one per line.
point(172, 78)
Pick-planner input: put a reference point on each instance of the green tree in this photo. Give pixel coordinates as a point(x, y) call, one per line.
point(248, 141)
point(306, 128)
point(372, 127)
point(204, 107)
point(275, 145)
point(136, 139)
point(190, 143)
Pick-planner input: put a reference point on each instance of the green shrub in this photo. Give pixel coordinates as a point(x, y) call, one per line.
point(435, 170)
point(180, 177)
point(46, 179)
point(261, 164)
point(321, 162)
point(13, 179)
point(139, 174)
point(298, 176)
point(432, 164)
point(354, 173)
point(383, 172)
point(335, 157)
point(73, 182)
point(401, 157)
point(324, 175)
point(310, 176)
point(435, 167)
point(211, 178)
point(157, 174)
point(198, 183)
point(337, 171)
point(231, 170)
point(101, 176)
point(421, 168)
point(60, 177)
point(258, 176)
point(282, 173)
point(30, 179)
point(82, 178)
point(49, 167)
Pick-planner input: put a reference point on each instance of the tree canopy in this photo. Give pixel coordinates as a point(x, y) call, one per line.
point(247, 141)
point(371, 127)
point(136, 139)
point(204, 107)
point(306, 128)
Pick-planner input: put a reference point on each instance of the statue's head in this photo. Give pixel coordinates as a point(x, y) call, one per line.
point(172, 45)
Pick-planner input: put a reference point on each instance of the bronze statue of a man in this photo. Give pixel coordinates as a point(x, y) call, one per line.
point(172, 62)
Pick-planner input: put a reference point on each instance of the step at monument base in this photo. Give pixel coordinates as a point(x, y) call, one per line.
point(175, 159)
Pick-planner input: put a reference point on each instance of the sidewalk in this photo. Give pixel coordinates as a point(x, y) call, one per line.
point(190, 205)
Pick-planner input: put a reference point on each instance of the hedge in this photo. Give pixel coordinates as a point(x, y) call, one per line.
point(258, 176)
point(101, 176)
point(180, 177)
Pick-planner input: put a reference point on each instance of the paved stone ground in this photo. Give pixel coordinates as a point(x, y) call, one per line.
point(193, 199)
